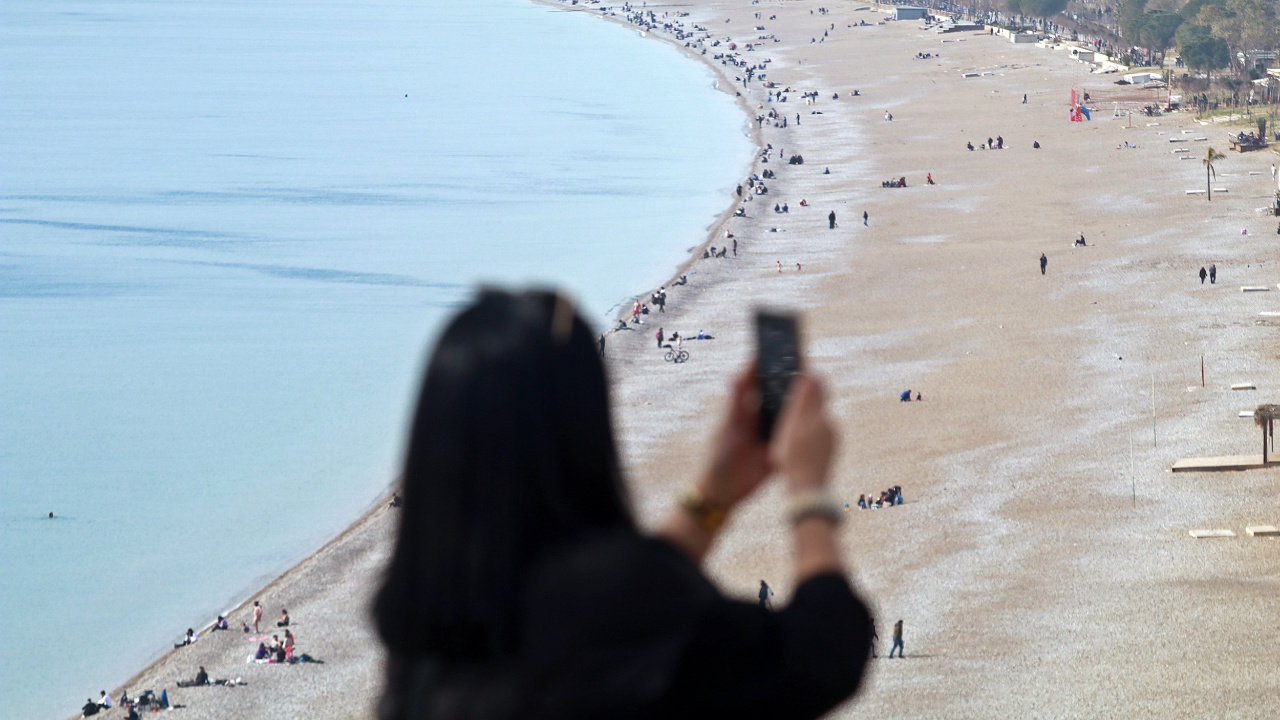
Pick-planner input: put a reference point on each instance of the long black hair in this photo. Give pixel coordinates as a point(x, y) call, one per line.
point(511, 454)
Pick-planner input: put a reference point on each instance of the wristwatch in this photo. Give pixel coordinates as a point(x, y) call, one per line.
point(813, 503)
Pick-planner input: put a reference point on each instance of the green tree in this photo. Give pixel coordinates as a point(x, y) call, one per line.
point(1193, 8)
point(1159, 30)
point(1042, 8)
point(1199, 49)
point(1253, 24)
point(1132, 19)
point(1153, 30)
point(1244, 25)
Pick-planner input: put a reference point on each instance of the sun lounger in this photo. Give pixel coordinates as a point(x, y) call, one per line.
point(1256, 530)
point(1220, 533)
point(1244, 386)
point(1254, 288)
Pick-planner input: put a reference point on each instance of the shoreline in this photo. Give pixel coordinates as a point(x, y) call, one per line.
point(360, 523)
point(372, 513)
point(722, 83)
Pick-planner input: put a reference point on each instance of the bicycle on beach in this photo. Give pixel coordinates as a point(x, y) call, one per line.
point(676, 356)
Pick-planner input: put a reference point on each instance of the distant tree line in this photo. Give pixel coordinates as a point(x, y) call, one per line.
point(1209, 34)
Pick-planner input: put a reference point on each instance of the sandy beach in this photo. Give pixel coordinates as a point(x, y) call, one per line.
point(1041, 563)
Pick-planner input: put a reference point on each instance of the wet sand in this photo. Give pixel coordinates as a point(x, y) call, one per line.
point(1031, 581)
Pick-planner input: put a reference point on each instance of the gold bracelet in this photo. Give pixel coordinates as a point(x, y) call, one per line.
point(709, 517)
point(813, 503)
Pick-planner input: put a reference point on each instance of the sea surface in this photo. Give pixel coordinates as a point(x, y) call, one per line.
point(228, 233)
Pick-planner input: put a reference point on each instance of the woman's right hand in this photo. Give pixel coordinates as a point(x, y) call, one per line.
point(804, 443)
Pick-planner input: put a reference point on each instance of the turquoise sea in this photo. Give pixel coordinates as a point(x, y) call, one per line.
point(228, 231)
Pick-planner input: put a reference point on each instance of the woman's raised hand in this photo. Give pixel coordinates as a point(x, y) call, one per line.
point(740, 460)
point(804, 442)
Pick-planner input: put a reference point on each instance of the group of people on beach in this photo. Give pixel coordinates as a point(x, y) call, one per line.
point(887, 498)
point(148, 700)
point(277, 651)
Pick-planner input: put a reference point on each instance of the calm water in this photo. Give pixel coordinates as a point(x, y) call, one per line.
point(228, 231)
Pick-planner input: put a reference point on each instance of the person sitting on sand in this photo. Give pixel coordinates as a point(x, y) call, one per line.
point(905, 396)
point(862, 501)
point(90, 708)
point(969, 145)
point(104, 700)
point(262, 653)
point(1035, 145)
point(190, 639)
point(202, 677)
point(396, 501)
point(130, 712)
point(284, 618)
point(219, 624)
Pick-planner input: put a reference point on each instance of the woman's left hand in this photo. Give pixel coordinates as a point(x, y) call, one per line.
point(739, 458)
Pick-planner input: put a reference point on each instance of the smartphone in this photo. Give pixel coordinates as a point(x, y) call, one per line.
point(777, 363)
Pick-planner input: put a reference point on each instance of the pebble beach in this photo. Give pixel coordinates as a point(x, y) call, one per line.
point(1042, 562)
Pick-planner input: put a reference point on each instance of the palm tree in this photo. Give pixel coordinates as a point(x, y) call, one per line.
point(1265, 417)
point(1209, 158)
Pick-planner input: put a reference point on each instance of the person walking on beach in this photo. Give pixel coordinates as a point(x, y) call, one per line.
point(897, 639)
point(1203, 274)
point(658, 335)
point(779, 266)
point(1273, 171)
point(865, 217)
point(1044, 263)
point(600, 346)
point(257, 617)
point(735, 248)
point(1213, 274)
point(874, 635)
point(831, 220)
point(765, 593)
point(1024, 98)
